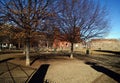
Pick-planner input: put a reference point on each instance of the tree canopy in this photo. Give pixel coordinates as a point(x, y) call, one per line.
point(82, 19)
point(76, 20)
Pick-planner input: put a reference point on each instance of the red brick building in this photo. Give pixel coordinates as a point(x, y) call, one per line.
point(61, 40)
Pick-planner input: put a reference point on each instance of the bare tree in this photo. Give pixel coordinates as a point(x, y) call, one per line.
point(80, 20)
point(27, 14)
point(6, 33)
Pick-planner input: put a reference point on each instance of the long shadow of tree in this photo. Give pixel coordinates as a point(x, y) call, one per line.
point(106, 59)
point(108, 51)
point(106, 71)
point(47, 57)
point(39, 76)
point(5, 60)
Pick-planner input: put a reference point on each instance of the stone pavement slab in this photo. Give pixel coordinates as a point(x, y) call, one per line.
point(71, 72)
point(75, 72)
point(13, 73)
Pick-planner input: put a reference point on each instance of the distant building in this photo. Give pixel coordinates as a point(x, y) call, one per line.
point(105, 44)
point(61, 40)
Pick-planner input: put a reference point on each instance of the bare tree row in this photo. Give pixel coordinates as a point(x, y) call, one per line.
point(77, 20)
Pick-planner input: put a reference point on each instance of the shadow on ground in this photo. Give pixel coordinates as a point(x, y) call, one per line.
point(47, 57)
point(5, 60)
point(104, 70)
point(111, 60)
point(108, 51)
point(39, 76)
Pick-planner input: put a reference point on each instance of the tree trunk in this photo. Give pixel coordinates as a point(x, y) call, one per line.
point(0, 46)
point(47, 46)
point(71, 55)
point(27, 50)
point(19, 45)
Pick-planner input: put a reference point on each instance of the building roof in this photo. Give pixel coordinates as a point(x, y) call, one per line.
point(98, 40)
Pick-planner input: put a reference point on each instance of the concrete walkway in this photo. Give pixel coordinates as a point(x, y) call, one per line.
point(75, 72)
point(13, 73)
point(51, 71)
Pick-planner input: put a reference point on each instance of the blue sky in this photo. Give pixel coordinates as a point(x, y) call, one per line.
point(113, 7)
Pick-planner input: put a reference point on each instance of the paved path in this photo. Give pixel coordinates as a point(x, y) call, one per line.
point(75, 72)
point(51, 71)
point(13, 73)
